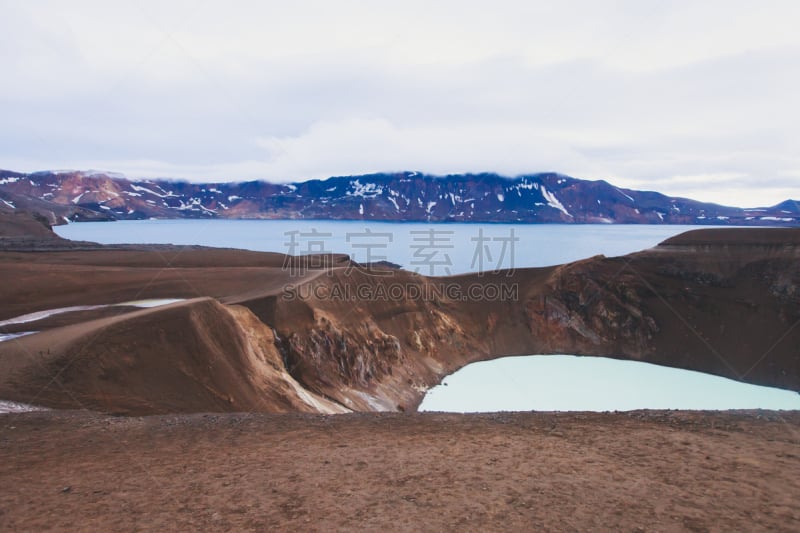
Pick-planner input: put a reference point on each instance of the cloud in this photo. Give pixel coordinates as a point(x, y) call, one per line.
point(363, 145)
point(658, 96)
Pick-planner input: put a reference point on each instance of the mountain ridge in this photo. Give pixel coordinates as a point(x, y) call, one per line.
point(402, 196)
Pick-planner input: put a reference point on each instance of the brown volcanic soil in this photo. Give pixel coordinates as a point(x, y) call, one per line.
point(184, 357)
point(18, 225)
point(638, 471)
point(740, 236)
point(113, 274)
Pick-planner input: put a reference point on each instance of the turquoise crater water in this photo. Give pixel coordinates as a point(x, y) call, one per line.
point(570, 383)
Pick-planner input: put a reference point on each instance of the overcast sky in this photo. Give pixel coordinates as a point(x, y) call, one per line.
point(700, 99)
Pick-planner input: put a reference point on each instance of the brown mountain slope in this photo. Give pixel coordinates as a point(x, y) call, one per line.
point(719, 306)
point(726, 303)
point(185, 357)
point(20, 224)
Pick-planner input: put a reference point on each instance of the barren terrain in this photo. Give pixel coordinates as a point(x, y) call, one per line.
point(725, 302)
point(722, 302)
point(637, 471)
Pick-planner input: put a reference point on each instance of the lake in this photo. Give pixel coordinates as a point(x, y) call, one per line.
point(431, 249)
point(552, 383)
point(569, 383)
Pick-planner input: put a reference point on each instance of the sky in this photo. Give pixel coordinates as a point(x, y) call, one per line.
point(696, 98)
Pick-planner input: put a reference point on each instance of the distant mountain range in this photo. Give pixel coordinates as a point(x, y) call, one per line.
point(405, 196)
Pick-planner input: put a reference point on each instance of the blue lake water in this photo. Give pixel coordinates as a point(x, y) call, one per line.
point(431, 249)
point(553, 383)
point(569, 383)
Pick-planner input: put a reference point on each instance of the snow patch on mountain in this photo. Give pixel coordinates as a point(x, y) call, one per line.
point(524, 184)
point(552, 201)
point(625, 195)
point(139, 188)
point(367, 190)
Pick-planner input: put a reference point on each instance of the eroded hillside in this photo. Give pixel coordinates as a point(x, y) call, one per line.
point(252, 335)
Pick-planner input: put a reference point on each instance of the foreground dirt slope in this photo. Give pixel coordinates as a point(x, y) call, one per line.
point(639, 471)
